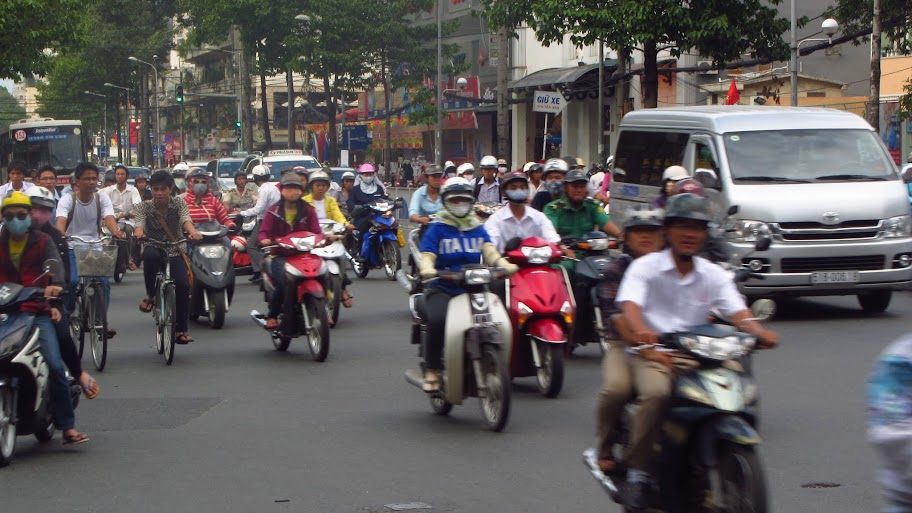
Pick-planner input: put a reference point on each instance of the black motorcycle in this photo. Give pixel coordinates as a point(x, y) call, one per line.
point(589, 273)
point(213, 275)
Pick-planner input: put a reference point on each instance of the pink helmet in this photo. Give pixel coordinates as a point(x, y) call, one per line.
point(367, 167)
point(688, 186)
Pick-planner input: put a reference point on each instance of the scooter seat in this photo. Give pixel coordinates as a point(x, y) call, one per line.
point(418, 306)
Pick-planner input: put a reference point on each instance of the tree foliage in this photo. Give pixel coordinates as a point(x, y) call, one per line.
point(720, 30)
point(32, 31)
point(10, 110)
point(857, 15)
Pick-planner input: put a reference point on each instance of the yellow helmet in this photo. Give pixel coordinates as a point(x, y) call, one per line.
point(16, 199)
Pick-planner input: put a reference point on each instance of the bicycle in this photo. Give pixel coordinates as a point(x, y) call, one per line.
point(94, 259)
point(163, 304)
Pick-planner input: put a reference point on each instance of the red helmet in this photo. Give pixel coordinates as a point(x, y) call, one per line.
point(688, 186)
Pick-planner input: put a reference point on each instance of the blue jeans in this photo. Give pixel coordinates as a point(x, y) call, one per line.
point(61, 402)
point(277, 272)
point(74, 282)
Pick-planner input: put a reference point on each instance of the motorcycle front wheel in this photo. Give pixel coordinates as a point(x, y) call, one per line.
point(743, 480)
point(550, 375)
point(440, 405)
point(495, 405)
point(333, 298)
point(318, 336)
point(7, 428)
point(392, 259)
point(218, 300)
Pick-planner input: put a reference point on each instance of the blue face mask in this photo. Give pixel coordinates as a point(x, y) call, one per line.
point(518, 195)
point(17, 227)
point(554, 187)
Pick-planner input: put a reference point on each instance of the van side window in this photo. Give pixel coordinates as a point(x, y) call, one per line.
point(645, 155)
point(703, 158)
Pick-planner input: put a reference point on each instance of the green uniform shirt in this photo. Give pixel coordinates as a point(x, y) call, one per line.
point(576, 223)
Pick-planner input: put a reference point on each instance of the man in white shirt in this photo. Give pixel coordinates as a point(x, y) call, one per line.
point(82, 214)
point(268, 196)
point(487, 187)
point(664, 292)
point(123, 196)
point(517, 219)
point(15, 172)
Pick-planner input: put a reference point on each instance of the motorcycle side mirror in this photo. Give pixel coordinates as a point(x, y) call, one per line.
point(707, 178)
point(52, 267)
point(763, 243)
point(732, 210)
point(907, 173)
point(512, 244)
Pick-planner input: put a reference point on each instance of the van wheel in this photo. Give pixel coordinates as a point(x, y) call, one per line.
point(875, 302)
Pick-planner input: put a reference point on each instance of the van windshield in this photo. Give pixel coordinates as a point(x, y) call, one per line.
point(807, 156)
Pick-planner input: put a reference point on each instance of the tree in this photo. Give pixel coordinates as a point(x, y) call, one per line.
point(10, 110)
point(31, 31)
point(720, 31)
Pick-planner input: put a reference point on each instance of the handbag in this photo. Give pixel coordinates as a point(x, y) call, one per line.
point(183, 253)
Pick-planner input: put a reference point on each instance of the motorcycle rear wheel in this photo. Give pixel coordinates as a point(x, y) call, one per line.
point(550, 376)
point(440, 405)
point(7, 428)
point(743, 480)
point(495, 405)
point(46, 432)
point(334, 298)
point(392, 259)
point(318, 336)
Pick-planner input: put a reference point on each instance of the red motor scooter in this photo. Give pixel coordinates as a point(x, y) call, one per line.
point(542, 309)
point(304, 306)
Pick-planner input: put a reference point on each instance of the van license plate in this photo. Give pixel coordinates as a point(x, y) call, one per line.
point(824, 277)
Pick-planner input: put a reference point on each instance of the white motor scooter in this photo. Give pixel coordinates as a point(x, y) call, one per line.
point(335, 256)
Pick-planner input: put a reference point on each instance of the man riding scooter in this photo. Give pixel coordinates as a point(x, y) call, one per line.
point(665, 292)
point(518, 220)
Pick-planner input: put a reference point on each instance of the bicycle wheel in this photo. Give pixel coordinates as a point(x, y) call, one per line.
point(76, 322)
point(88, 333)
point(167, 323)
point(99, 335)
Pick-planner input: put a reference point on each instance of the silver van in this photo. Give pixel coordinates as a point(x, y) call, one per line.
point(819, 182)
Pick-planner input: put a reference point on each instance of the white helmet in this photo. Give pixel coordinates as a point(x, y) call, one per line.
point(180, 166)
point(41, 197)
point(465, 168)
point(261, 171)
point(556, 165)
point(348, 175)
point(488, 161)
point(674, 173)
point(319, 176)
point(239, 244)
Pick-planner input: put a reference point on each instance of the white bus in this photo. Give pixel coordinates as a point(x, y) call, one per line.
point(40, 141)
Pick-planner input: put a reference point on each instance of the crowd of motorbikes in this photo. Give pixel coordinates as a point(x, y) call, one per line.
point(500, 328)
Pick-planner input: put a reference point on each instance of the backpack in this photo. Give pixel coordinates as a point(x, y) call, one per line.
point(72, 212)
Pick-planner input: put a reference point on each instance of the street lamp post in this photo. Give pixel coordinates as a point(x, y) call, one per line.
point(127, 109)
point(438, 129)
point(829, 27)
point(158, 139)
point(105, 122)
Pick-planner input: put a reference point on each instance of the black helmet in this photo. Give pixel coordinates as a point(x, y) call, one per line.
point(644, 216)
point(197, 172)
point(687, 206)
point(576, 175)
point(109, 176)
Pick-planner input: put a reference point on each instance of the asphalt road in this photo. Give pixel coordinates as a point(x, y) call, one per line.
point(234, 426)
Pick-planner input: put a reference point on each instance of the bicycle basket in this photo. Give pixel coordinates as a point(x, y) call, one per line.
point(95, 260)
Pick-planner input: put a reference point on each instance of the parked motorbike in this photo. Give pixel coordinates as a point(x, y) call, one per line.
point(25, 398)
point(709, 452)
point(335, 257)
point(380, 246)
point(475, 354)
point(589, 272)
point(213, 275)
point(304, 307)
point(542, 310)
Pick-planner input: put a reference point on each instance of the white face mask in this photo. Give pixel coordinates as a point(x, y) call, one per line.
point(367, 179)
point(461, 209)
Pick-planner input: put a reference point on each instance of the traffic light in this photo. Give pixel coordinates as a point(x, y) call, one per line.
point(179, 94)
point(238, 124)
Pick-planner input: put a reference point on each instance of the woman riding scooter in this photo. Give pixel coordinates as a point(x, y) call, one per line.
point(328, 208)
point(456, 238)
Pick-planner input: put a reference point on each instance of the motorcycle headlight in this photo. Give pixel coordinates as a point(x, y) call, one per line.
point(598, 244)
point(721, 348)
point(304, 243)
point(477, 276)
point(899, 226)
point(213, 251)
point(536, 255)
point(750, 231)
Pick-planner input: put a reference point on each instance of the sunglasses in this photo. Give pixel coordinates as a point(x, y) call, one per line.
point(22, 216)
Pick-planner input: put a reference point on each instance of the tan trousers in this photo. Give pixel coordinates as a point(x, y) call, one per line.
point(625, 376)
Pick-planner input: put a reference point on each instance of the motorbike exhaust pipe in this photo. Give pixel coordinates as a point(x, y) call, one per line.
point(405, 280)
point(258, 318)
point(414, 377)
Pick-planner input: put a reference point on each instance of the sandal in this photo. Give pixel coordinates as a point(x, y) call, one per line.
point(607, 465)
point(132, 266)
point(183, 338)
point(146, 305)
point(78, 438)
point(347, 299)
point(271, 324)
point(87, 389)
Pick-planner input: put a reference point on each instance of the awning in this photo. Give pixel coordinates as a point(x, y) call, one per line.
point(573, 78)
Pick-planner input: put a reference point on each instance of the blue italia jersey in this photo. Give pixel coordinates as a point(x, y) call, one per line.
point(453, 247)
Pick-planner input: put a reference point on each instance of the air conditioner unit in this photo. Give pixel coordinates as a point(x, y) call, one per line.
point(707, 68)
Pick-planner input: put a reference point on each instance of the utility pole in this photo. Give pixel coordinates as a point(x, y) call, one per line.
point(503, 66)
point(601, 101)
point(289, 79)
point(873, 111)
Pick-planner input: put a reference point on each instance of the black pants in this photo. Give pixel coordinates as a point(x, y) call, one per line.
point(153, 260)
point(437, 301)
point(68, 346)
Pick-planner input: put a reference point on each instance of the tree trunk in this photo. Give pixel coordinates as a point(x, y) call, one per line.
point(331, 112)
point(265, 104)
point(120, 152)
point(246, 103)
point(503, 95)
point(289, 80)
point(650, 75)
point(873, 113)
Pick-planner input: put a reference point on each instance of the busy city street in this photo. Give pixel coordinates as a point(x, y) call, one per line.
point(234, 425)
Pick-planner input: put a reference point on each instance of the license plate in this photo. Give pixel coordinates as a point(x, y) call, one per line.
point(824, 277)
